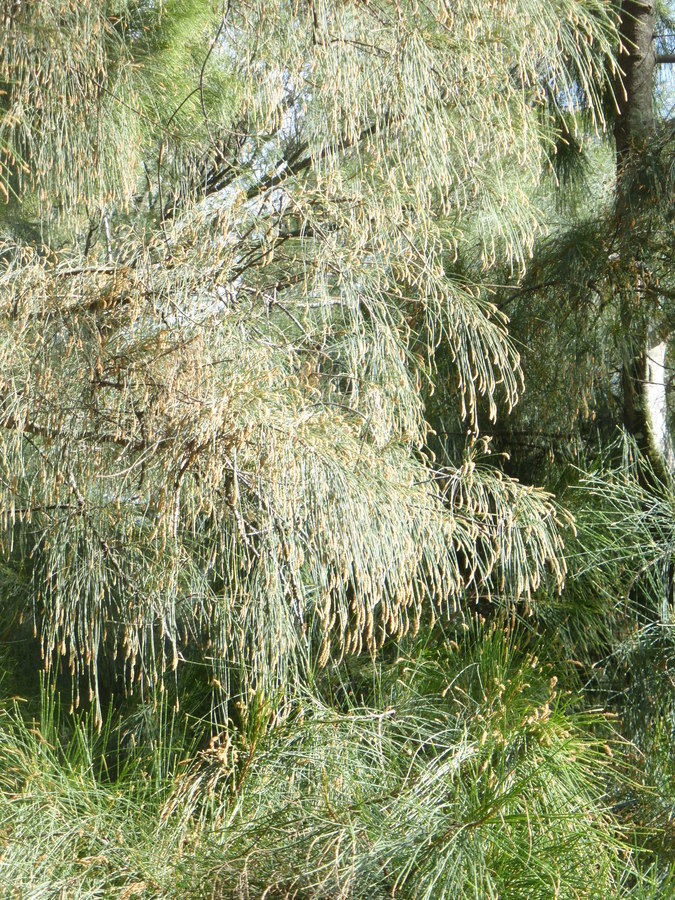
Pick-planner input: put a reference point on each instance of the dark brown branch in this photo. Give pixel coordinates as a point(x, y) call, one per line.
point(10, 423)
point(295, 164)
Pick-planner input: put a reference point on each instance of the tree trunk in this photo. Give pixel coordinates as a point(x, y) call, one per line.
point(644, 376)
point(637, 58)
point(645, 406)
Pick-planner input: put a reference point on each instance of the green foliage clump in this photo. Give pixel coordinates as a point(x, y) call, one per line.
point(462, 770)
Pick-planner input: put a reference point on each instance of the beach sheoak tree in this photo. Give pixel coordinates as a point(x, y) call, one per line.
point(237, 241)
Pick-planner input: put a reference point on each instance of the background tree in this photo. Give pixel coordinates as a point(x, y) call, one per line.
point(602, 280)
point(601, 285)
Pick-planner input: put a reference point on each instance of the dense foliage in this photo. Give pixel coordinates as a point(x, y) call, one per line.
point(289, 606)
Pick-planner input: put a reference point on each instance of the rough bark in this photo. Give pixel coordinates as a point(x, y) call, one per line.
point(637, 58)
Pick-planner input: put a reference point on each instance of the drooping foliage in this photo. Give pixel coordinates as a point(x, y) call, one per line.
point(215, 432)
point(275, 279)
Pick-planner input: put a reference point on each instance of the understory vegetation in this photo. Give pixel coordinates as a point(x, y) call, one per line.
point(337, 481)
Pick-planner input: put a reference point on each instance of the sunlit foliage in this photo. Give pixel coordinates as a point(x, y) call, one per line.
point(213, 424)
